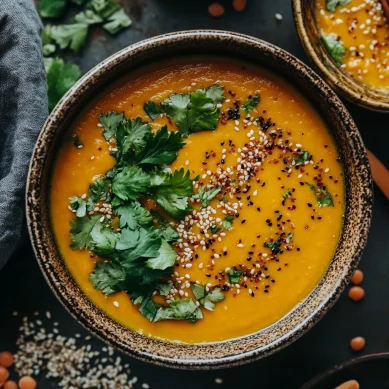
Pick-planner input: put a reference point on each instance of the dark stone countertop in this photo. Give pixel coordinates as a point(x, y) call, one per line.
point(23, 288)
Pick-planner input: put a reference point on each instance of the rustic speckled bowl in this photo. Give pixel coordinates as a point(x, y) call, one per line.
point(235, 351)
point(353, 90)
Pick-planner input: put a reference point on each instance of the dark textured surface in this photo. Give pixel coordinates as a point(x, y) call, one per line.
point(22, 287)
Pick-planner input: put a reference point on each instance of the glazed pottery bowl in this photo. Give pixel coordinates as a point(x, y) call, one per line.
point(235, 351)
point(341, 81)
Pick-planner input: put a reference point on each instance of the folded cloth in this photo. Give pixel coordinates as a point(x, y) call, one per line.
point(23, 110)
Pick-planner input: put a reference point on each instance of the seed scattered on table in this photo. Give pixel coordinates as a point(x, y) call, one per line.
point(10, 385)
point(239, 5)
point(349, 385)
point(216, 10)
point(4, 374)
point(357, 343)
point(27, 382)
point(6, 359)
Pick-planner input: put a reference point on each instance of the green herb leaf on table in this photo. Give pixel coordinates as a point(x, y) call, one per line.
point(180, 309)
point(206, 196)
point(61, 77)
point(52, 8)
point(73, 35)
point(130, 183)
point(332, 5)
point(78, 2)
point(88, 17)
point(227, 222)
point(104, 8)
point(109, 277)
point(334, 47)
point(117, 21)
point(251, 103)
point(79, 205)
point(234, 276)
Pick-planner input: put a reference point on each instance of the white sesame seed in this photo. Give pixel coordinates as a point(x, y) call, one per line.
point(278, 16)
point(116, 304)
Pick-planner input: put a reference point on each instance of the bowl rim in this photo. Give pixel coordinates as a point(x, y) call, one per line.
point(311, 384)
point(346, 91)
point(84, 312)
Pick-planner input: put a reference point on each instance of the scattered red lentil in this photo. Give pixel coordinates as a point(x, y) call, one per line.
point(6, 359)
point(357, 278)
point(356, 293)
point(239, 5)
point(349, 385)
point(10, 385)
point(357, 343)
point(27, 382)
point(216, 10)
point(4, 374)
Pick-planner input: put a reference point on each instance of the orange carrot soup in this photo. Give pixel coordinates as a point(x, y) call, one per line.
point(356, 34)
point(198, 200)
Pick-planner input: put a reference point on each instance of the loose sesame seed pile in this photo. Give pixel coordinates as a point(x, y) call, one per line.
point(43, 351)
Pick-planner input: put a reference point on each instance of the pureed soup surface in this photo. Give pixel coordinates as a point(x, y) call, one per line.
point(357, 34)
point(265, 224)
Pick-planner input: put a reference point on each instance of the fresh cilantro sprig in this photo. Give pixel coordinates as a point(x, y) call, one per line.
point(334, 47)
point(251, 103)
point(323, 197)
point(332, 5)
point(303, 157)
point(192, 112)
point(207, 299)
point(206, 196)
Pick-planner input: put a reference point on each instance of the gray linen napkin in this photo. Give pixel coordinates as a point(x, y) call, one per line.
point(23, 110)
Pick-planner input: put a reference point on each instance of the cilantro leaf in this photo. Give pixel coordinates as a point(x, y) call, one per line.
point(103, 240)
point(152, 109)
point(88, 17)
point(79, 205)
point(117, 21)
point(275, 246)
point(130, 183)
point(80, 232)
point(148, 308)
point(109, 277)
point(180, 309)
point(331, 5)
point(192, 112)
point(78, 2)
point(164, 289)
point(335, 47)
point(128, 239)
point(228, 221)
point(160, 148)
point(61, 77)
point(100, 189)
point(251, 103)
point(52, 8)
point(171, 191)
point(312, 187)
point(70, 35)
point(166, 257)
point(110, 122)
point(324, 198)
point(234, 276)
point(133, 215)
point(207, 300)
point(302, 158)
point(166, 231)
point(207, 196)
point(104, 8)
point(214, 229)
point(216, 93)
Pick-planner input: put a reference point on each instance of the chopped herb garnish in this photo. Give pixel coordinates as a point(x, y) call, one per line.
point(286, 195)
point(227, 222)
point(180, 309)
point(70, 35)
point(214, 229)
point(251, 103)
point(274, 246)
point(79, 205)
point(117, 21)
point(80, 232)
point(234, 276)
point(99, 190)
point(133, 215)
point(130, 183)
point(331, 5)
point(324, 198)
point(192, 112)
point(206, 196)
point(109, 277)
point(207, 299)
point(335, 47)
point(76, 141)
point(88, 17)
point(302, 158)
